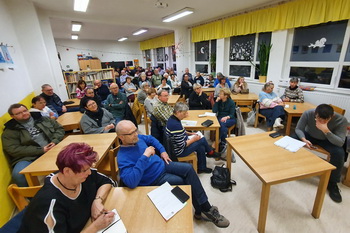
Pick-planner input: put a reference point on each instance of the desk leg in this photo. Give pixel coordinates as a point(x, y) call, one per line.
point(289, 124)
point(321, 191)
point(32, 180)
point(228, 156)
point(217, 139)
point(346, 180)
point(264, 203)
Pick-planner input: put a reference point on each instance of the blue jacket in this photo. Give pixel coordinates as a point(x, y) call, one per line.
point(227, 81)
point(137, 169)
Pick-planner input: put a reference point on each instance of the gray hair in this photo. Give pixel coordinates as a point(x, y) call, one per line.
point(161, 91)
point(180, 107)
point(144, 84)
point(44, 86)
point(196, 85)
point(294, 80)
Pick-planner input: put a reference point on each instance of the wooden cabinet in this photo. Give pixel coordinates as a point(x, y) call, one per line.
point(71, 78)
point(92, 64)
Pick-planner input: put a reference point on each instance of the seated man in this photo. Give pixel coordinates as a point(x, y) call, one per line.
point(323, 127)
point(139, 166)
point(116, 103)
point(53, 101)
point(183, 145)
point(101, 90)
point(162, 111)
point(26, 137)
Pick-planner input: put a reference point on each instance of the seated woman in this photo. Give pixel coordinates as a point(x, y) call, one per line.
point(39, 105)
point(142, 79)
point(219, 76)
point(199, 79)
point(182, 144)
point(226, 109)
point(81, 88)
point(70, 197)
point(130, 89)
point(271, 106)
point(96, 120)
point(209, 82)
point(240, 85)
point(151, 101)
point(164, 85)
point(198, 99)
point(142, 95)
point(222, 84)
point(90, 94)
point(186, 87)
point(175, 84)
point(293, 93)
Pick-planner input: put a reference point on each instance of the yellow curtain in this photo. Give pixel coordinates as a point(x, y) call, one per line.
point(285, 16)
point(158, 42)
point(208, 31)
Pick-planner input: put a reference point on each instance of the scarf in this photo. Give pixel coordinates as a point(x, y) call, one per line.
point(96, 116)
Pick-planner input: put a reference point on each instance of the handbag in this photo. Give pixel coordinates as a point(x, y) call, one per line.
point(251, 118)
point(221, 179)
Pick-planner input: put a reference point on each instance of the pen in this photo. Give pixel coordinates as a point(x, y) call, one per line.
point(110, 226)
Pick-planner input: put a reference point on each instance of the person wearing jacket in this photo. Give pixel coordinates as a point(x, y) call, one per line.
point(26, 137)
point(198, 100)
point(116, 103)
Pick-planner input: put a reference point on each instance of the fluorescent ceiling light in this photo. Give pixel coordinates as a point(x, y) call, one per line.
point(122, 39)
point(140, 31)
point(75, 37)
point(81, 5)
point(76, 26)
point(178, 14)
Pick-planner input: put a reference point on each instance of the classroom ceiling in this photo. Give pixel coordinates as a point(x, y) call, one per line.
point(113, 19)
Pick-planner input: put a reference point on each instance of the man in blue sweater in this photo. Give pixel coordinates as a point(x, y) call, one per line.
point(140, 166)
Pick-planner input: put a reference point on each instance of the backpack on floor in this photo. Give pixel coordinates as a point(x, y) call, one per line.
point(221, 179)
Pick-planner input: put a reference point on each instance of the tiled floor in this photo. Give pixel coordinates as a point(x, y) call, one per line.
point(290, 203)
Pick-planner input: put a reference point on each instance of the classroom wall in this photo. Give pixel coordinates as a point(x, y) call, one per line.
point(104, 50)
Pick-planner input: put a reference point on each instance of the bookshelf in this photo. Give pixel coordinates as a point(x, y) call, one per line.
point(71, 78)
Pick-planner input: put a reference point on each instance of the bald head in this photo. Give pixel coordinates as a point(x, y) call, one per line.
point(127, 132)
point(114, 88)
point(124, 126)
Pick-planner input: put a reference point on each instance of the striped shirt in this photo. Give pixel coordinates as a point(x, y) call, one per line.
point(177, 134)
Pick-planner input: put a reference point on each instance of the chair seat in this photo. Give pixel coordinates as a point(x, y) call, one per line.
point(191, 158)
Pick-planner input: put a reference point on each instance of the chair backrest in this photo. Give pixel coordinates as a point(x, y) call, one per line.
point(145, 118)
point(169, 147)
point(337, 109)
point(19, 194)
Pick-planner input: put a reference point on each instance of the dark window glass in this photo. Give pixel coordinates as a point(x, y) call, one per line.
point(345, 77)
point(202, 68)
point(242, 48)
point(347, 56)
point(173, 52)
point(240, 70)
point(213, 46)
point(160, 54)
point(264, 37)
point(202, 51)
point(174, 67)
point(148, 55)
point(321, 75)
point(321, 42)
point(161, 65)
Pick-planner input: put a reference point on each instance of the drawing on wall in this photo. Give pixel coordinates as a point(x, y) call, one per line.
point(6, 54)
point(242, 51)
point(2, 59)
point(319, 43)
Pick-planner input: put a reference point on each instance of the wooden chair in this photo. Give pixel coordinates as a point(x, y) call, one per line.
point(336, 109)
point(109, 165)
point(192, 159)
point(229, 130)
point(245, 105)
point(147, 120)
point(19, 194)
point(257, 115)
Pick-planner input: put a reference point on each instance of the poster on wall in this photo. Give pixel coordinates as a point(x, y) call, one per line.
point(6, 54)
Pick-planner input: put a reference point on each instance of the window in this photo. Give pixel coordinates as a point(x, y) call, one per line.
point(242, 48)
point(202, 68)
point(202, 51)
point(205, 56)
point(160, 52)
point(148, 55)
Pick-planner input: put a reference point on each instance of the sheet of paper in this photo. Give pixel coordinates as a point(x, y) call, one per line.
point(207, 114)
point(117, 226)
point(290, 144)
point(199, 133)
point(188, 123)
point(165, 201)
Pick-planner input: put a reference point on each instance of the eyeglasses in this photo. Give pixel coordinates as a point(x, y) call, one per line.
point(129, 134)
point(48, 90)
point(92, 104)
point(20, 113)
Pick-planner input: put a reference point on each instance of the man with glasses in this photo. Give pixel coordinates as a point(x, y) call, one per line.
point(139, 165)
point(116, 103)
point(26, 137)
point(90, 94)
point(163, 110)
point(198, 100)
point(323, 127)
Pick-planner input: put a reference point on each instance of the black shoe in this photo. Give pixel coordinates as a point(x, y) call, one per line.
point(205, 170)
point(334, 192)
point(214, 155)
point(222, 147)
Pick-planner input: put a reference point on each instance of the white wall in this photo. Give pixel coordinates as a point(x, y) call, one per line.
point(104, 50)
point(15, 84)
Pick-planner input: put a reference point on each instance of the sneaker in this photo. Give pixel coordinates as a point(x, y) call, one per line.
point(213, 155)
point(278, 124)
point(202, 216)
point(214, 216)
point(334, 192)
point(205, 170)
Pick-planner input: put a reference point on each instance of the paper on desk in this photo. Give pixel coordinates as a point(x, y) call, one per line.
point(188, 123)
point(290, 144)
point(207, 114)
point(199, 133)
point(165, 201)
point(117, 226)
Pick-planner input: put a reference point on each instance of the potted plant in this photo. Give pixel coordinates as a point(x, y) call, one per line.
point(263, 55)
point(212, 62)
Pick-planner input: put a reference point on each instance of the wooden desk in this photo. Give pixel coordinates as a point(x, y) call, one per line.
point(290, 112)
point(208, 90)
point(140, 215)
point(275, 165)
point(173, 99)
point(46, 163)
point(75, 104)
point(70, 120)
point(193, 116)
point(245, 100)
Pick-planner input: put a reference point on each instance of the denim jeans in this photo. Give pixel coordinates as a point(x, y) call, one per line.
point(201, 146)
point(337, 155)
point(224, 128)
point(117, 119)
point(272, 114)
point(20, 179)
point(177, 173)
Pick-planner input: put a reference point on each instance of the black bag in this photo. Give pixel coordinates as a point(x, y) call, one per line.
point(221, 179)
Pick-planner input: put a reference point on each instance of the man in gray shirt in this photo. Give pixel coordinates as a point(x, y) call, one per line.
point(323, 127)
